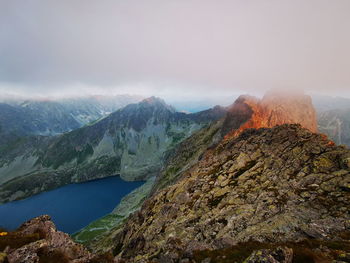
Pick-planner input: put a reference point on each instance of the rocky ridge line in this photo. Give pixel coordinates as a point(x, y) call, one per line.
point(278, 185)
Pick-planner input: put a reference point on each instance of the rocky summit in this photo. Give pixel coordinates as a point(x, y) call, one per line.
point(275, 108)
point(277, 193)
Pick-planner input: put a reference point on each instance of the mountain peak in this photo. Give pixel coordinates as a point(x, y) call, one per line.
point(275, 108)
point(157, 102)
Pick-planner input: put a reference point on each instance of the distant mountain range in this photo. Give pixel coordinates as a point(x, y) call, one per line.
point(326, 103)
point(130, 142)
point(50, 117)
point(336, 124)
point(333, 117)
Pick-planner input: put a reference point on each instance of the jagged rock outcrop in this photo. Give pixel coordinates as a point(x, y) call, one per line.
point(39, 241)
point(246, 112)
point(271, 186)
point(275, 108)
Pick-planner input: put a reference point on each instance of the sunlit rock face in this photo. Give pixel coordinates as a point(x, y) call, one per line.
point(275, 108)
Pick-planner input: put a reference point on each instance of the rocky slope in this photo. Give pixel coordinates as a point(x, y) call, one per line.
point(336, 124)
point(245, 112)
point(277, 186)
point(130, 142)
point(38, 241)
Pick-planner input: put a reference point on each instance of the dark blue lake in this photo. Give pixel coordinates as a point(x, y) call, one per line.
point(72, 206)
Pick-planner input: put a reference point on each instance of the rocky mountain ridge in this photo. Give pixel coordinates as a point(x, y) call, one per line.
point(273, 109)
point(277, 185)
point(244, 112)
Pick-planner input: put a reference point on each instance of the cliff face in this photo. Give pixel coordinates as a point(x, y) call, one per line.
point(274, 187)
point(273, 109)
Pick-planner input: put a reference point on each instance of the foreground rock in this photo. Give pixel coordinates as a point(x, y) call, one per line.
point(39, 241)
point(278, 255)
point(274, 187)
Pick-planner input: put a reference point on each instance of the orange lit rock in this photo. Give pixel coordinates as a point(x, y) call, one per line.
point(273, 109)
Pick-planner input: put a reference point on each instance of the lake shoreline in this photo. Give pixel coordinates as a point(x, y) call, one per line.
point(71, 206)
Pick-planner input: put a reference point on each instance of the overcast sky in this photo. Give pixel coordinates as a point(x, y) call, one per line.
point(174, 48)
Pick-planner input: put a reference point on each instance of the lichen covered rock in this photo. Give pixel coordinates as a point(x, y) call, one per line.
point(39, 241)
point(283, 184)
point(278, 255)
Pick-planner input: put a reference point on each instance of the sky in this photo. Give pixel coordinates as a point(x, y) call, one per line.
point(174, 49)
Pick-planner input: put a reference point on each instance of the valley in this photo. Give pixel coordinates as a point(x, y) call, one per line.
point(129, 142)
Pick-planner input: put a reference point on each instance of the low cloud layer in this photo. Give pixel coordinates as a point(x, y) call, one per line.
point(174, 48)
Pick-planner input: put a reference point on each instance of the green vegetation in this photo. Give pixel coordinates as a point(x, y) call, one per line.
point(86, 152)
point(98, 232)
point(97, 228)
point(176, 136)
point(12, 144)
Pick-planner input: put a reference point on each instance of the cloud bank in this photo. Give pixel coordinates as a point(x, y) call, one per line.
point(174, 48)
